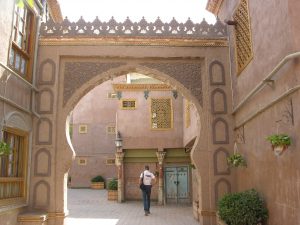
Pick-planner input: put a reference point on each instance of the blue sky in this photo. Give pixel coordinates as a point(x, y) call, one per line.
point(136, 9)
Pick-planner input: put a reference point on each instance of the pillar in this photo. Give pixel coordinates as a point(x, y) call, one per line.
point(160, 156)
point(120, 167)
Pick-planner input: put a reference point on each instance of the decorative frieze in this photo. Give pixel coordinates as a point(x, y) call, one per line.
point(141, 87)
point(112, 28)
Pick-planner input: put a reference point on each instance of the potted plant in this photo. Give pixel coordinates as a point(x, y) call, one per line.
point(4, 149)
point(242, 208)
point(279, 142)
point(97, 182)
point(113, 189)
point(236, 160)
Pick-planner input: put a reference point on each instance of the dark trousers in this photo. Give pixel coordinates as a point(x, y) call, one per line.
point(146, 197)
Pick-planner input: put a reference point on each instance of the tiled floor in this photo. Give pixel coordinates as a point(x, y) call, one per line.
point(90, 207)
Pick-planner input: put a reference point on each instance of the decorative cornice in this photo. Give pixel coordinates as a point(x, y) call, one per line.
point(213, 6)
point(141, 87)
point(55, 12)
point(112, 32)
point(132, 42)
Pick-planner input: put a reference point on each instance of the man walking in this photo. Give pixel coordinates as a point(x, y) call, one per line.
point(146, 177)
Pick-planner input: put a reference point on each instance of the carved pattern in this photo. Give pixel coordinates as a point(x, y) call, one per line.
point(41, 79)
point(217, 187)
point(37, 162)
point(219, 152)
point(225, 132)
point(213, 6)
point(214, 77)
point(161, 113)
point(188, 74)
point(243, 40)
point(222, 109)
point(112, 28)
point(77, 73)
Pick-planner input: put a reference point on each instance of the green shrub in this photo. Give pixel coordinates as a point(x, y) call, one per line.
point(97, 179)
point(279, 140)
point(243, 208)
point(4, 149)
point(113, 184)
point(236, 160)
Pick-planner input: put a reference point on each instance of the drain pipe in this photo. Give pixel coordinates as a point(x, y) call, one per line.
point(267, 79)
point(34, 67)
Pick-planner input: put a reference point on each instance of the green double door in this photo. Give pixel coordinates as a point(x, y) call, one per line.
point(177, 184)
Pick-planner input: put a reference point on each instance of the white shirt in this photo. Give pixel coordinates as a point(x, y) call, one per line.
point(148, 176)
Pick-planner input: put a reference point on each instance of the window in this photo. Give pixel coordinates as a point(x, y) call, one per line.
point(243, 40)
point(110, 161)
point(21, 53)
point(112, 95)
point(82, 162)
point(82, 129)
point(128, 104)
point(13, 168)
point(161, 114)
point(111, 129)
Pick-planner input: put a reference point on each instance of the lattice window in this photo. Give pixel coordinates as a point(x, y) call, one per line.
point(82, 161)
point(82, 129)
point(111, 129)
point(110, 161)
point(161, 113)
point(128, 103)
point(13, 168)
point(187, 114)
point(243, 40)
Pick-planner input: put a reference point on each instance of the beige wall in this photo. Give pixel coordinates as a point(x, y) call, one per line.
point(275, 34)
point(6, 13)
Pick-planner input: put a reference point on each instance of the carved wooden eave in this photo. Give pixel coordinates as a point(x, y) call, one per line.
point(213, 6)
point(55, 11)
point(141, 87)
point(133, 33)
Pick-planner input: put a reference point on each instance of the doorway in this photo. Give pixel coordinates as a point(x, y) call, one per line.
point(177, 184)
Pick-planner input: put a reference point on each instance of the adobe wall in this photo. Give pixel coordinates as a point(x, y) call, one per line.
point(275, 34)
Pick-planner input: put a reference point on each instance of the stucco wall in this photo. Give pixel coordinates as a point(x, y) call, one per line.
point(6, 16)
point(190, 132)
point(275, 34)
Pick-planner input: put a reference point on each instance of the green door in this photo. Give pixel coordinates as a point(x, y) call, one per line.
point(176, 184)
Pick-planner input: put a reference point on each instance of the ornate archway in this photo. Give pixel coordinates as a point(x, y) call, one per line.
point(69, 68)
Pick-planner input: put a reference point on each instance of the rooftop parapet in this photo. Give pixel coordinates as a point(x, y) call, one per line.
point(142, 29)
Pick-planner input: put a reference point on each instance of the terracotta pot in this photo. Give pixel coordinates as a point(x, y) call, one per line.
point(279, 149)
point(97, 185)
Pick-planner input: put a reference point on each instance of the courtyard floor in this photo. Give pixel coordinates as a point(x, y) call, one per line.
point(91, 207)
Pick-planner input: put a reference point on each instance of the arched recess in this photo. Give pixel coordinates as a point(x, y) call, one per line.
point(217, 73)
point(46, 75)
point(220, 131)
point(44, 132)
point(41, 195)
point(222, 187)
point(42, 163)
point(45, 101)
point(218, 101)
point(220, 162)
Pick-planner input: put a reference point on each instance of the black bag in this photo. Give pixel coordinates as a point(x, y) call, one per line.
point(142, 185)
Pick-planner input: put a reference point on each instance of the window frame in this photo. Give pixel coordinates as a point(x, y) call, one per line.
point(23, 199)
point(26, 51)
point(128, 100)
